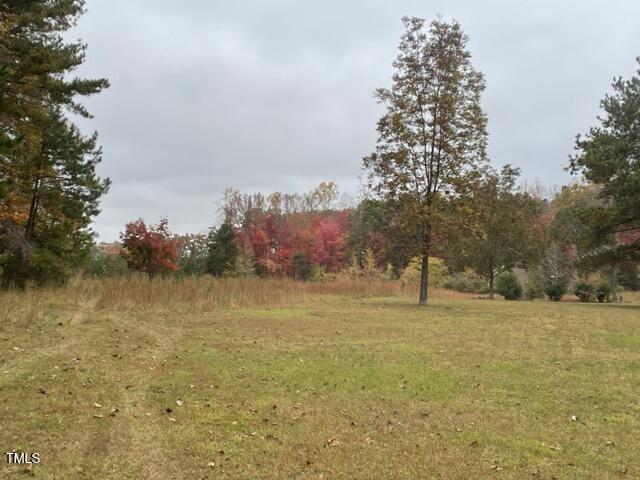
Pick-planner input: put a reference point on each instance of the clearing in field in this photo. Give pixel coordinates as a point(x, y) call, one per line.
point(277, 379)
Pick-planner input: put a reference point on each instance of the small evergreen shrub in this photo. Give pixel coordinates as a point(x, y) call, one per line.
point(584, 291)
point(508, 286)
point(603, 291)
point(535, 285)
point(555, 288)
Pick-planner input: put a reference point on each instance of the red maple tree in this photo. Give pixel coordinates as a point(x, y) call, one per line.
point(149, 249)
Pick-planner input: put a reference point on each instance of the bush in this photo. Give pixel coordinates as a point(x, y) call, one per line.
point(468, 282)
point(603, 291)
point(508, 286)
point(535, 285)
point(40, 267)
point(584, 291)
point(555, 288)
point(438, 272)
point(107, 265)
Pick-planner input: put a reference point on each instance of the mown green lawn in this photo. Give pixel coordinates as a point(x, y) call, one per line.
point(353, 388)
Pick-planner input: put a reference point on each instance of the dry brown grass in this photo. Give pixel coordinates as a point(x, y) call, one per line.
point(196, 295)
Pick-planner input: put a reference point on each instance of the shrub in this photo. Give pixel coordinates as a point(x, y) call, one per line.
point(107, 265)
point(603, 291)
point(508, 286)
point(535, 285)
point(468, 282)
point(555, 288)
point(438, 272)
point(584, 291)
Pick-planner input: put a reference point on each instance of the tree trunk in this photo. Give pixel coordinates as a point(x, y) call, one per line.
point(33, 210)
point(491, 285)
point(35, 198)
point(614, 285)
point(424, 273)
point(424, 279)
point(491, 278)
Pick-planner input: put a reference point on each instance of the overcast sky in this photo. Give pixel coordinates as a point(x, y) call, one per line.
point(277, 95)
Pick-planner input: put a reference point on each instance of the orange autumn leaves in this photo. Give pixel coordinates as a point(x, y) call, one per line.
point(149, 249)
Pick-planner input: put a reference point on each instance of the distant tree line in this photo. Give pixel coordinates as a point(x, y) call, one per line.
point(514, 243)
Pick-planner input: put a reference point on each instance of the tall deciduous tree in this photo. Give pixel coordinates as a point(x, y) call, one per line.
point(49, 189)
point(609, 155)
point(504, 235)
point(432, 138)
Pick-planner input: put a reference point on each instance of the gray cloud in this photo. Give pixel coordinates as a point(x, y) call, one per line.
point(277, 95)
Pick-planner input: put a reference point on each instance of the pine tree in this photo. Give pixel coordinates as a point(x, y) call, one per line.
point(49, 190)
point(432, 138)
point(609, 155)
point(301, 267)
point(222, 251)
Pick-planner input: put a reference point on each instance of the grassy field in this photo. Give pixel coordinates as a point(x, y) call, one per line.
point(278, 380)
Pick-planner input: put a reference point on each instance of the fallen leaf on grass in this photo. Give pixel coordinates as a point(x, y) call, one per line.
point(333, 442)
point(179, 403)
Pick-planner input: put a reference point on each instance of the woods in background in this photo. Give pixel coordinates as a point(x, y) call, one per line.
point(435, 212)
point(515, 242)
